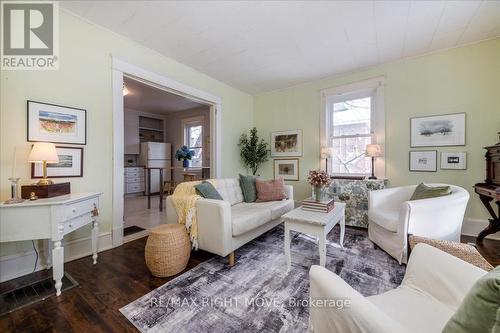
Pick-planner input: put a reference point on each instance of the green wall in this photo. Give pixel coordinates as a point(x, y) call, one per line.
point(84, 81)
point(460, 80)
point(465, 79)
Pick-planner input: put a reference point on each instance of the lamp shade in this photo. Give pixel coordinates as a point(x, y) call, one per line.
point(43, 151)
point(326, 152)
point(373, 150)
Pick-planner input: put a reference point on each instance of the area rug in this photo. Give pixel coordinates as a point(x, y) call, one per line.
point(257, 294)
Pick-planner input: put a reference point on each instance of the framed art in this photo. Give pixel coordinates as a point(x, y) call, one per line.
point(286, 169)
point(434, 131)
point(453, 160)
point(286, 143)
point(70, 164)
point(56, 123)
point(423, 160)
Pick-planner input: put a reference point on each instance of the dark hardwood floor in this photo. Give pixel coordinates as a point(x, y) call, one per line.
point(120, 277)
point(489, 248)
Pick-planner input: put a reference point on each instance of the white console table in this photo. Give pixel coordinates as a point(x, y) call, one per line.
point(51, 219)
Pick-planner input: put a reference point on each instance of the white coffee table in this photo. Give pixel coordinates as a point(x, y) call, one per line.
point(315, 224)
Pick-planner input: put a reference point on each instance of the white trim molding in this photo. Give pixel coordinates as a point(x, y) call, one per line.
point(120, 69)
point(20, 264)
point(374, 86)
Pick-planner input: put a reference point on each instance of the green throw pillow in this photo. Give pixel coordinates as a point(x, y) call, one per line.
point(479, 312)
point(207, 190)
point(248, 188)
point(425, 192)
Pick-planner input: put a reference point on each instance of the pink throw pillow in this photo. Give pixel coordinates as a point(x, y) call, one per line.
point(270, 190)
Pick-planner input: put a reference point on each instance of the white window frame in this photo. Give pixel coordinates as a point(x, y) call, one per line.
point(191, 122)
point(373, 88)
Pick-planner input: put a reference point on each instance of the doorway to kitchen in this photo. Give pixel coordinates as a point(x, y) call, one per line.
point(158, 123)
point(153, 117)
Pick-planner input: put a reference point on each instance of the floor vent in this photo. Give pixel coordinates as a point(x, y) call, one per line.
point(32, 292)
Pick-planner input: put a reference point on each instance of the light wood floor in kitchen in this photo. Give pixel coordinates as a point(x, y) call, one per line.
point(136, 213)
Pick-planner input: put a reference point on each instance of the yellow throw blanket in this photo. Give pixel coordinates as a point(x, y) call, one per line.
point(184, 199)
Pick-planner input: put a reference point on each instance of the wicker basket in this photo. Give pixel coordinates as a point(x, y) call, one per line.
point(167, 250)
point(462, 251)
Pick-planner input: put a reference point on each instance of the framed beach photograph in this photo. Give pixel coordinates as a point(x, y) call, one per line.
point(55, 123)
point(423, 160)
point(453, 160)
point(286, 143)
point(70, 164)
point(435, 131)
point(286, 169)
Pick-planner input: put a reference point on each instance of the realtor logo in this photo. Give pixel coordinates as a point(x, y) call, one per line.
point(29, 35)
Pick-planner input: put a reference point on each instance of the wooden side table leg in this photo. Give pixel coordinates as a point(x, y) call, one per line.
point(58, 265)
point(322, 248)
point(161, 190)
point(287, 248)
point(494, 222)
point(342, 230)
point(95, 240)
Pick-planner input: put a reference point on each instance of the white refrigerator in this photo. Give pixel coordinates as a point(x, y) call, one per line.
point(156, 155)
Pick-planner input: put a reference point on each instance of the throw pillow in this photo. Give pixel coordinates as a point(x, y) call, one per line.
point(479, 311)
point(207, 191)
point(425, 192)
point(270, 190)
point(248, 188)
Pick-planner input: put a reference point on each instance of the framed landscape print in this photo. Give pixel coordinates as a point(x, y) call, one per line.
point(286, 169)
point(435, 131)
point(423, 160)
point(286, 143)
point(70, 164)
point(454, 160)
point(55, 123)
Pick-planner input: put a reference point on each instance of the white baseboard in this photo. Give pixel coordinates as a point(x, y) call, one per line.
point(20, 264)
point(472, 227)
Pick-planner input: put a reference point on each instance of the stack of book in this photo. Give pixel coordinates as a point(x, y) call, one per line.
point(318, 206)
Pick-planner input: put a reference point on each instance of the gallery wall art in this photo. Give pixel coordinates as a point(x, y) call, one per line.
point(435, 131)
point(55, 123)
point(288, 169)
point(454, 160)
point(424, 160)
point(286, 143)
point(70, 164)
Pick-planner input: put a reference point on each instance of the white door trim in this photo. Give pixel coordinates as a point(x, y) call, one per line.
point(121, 68)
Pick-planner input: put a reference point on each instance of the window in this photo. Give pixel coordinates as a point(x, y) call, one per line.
point(193, 139)
point(353, 119)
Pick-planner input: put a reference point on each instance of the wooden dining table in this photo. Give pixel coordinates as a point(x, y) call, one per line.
point(205, 173)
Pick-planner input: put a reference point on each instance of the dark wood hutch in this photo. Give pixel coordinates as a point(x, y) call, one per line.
point(489, 191)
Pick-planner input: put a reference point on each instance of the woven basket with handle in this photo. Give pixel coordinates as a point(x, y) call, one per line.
point(167, 250)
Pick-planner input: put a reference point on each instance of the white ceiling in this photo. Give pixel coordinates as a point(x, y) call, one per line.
point(260, 46)
point(146, 98)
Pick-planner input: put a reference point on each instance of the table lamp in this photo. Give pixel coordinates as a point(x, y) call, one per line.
point(373, 150)
point(43, 152)
point(326, 153)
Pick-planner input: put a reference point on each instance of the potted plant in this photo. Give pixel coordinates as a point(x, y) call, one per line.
point(185, 155)
point(253, 151)
point(319, 180)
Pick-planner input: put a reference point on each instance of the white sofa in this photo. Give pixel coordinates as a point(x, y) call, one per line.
point(392, 217)
point(433, 287)
point(224, 226)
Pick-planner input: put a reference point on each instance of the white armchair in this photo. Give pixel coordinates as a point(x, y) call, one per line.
point(392, 217)
point(434, 285)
